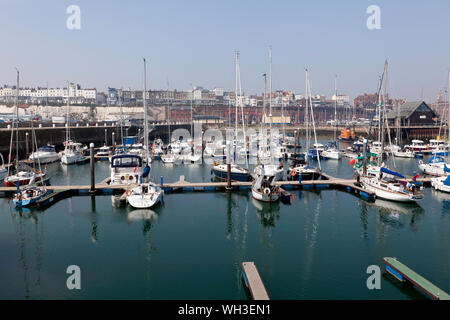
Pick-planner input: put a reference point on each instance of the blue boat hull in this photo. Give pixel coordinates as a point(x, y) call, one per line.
point(234, 176)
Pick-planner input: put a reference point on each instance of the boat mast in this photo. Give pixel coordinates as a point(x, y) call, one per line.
point(314, 126)
point(307, 116)
point(15, 124)
point(448, 111)
point(192, 116)
point(270, 104)
point(242, 112)
point(67, 114)
point(121, 116)
point(335, 107)
point(145, 112)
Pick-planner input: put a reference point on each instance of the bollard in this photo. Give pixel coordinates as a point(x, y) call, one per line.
point(162, 180)
point(299, 177)
point(229, 176)
point(92, 190)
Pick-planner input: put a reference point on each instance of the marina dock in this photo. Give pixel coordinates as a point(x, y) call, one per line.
point(253, 281)
point(403, 273)
point(326, 181)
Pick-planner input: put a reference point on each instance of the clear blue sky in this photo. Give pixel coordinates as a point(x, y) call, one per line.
point(194, 42)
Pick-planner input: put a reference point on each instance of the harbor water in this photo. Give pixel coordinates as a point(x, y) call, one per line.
point(192, 246)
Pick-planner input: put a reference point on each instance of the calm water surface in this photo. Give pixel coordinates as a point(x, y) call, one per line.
point(192, 247)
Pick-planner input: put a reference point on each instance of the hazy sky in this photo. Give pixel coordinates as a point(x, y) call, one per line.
point(194, 42)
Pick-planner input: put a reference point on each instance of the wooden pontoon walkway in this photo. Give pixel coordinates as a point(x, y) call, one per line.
point(253, 281)
point(402, 273)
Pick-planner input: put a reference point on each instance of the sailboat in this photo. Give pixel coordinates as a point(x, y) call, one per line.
point(24, 174)
point(388, 185)
point(441, 183)
point(147, 194)
point(29, 195)
point(263, 188)
point(332, 151)
point(302, 169)
point(237, 172)
point(73, 151)
point(270, 169)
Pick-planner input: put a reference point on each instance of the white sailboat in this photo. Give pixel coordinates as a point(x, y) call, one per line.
point(332, 151)
point(24, 174)
point(147, 194)
point(388, 185)
point(263, 188)
point(303, 168)
point(73, 152)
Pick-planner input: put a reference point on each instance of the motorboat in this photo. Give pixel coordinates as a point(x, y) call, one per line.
point(436, 166)
point(45, 154)
point(104, 151)
point(332, 152)
point(126, 169)
point(73, 153)
point(407, 153)
point(418, 145)
point(441, 183)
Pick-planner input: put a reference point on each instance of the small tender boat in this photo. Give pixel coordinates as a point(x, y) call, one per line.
point(45, 154)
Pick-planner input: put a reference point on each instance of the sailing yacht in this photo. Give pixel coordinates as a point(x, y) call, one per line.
point(147, 194)
point(24, 174)
point(387, 184)
point(331, 150)
point(263, 188)
point(303, 168)
point(73, 151)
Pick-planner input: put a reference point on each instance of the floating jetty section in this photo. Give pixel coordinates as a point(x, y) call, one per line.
point(253, 281)
point(182, 185)
point(402, 273)
point(325, 182)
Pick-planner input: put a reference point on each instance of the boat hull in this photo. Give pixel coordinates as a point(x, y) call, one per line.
point(235, 176)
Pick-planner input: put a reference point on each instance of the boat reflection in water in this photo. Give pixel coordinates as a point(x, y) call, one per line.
point(267, 212)
point(141, 214)
point(394, 214)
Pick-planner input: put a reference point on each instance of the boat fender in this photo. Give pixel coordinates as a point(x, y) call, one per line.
point(266, 191)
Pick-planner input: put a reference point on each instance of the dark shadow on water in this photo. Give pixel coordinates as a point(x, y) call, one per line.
point(406, 288)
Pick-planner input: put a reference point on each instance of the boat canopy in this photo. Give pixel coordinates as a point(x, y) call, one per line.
point(47, 148)
point(384, 170)
point(447, 181)
point(126, 161)
point(436, 159)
